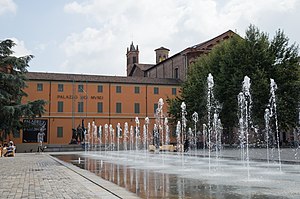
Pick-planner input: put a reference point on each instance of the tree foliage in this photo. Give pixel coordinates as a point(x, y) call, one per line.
point(259, 58)
point(12, 84)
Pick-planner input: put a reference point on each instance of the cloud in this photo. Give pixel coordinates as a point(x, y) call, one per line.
point(175, 24)
point(20, 49)
point(7, 6)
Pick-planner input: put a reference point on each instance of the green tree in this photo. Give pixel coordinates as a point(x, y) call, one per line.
point(260, 59)
point(12, 84)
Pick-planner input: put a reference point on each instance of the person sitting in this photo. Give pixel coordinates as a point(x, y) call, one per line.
point(10, 150)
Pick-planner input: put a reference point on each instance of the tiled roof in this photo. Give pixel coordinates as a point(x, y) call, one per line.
point(64, 77)
point(144, 67)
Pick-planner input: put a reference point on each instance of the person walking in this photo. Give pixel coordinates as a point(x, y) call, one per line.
point(40, 140)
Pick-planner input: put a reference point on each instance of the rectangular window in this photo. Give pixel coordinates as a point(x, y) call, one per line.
point(173, 91)
point(156, 90)
point(39, 87)
point(60, 88)
point(118, 107)
point(60, 106)
point(80, 107)
point(100, 107)
point(176, 75)
point(136, 89)
point(100, 88)
point(60, 132)
point(137, 108)
point(80, 88)
point(118, 89)
point(155, 107)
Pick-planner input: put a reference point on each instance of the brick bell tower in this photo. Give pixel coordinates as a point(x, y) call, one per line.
point(132, 57)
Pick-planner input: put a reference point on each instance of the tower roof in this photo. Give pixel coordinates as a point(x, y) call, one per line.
point(162, 48)
point(132, 48)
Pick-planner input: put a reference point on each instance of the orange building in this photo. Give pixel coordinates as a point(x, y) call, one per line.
point(75, 99)
point(103, 99)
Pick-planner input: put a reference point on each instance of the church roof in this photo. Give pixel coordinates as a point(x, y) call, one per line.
point(201, 47)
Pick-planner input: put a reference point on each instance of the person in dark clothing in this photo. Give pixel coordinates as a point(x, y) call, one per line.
point(186, 145)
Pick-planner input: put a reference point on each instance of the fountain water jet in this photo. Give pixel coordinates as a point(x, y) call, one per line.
point(245, 105)
point(125, 138)
point(183, 124)
point(195, 119)
point(273, 113)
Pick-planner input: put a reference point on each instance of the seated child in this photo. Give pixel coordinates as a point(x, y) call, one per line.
point(10, 150)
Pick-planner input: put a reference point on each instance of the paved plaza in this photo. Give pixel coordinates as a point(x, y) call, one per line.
point(33, 175)
point(39, 175)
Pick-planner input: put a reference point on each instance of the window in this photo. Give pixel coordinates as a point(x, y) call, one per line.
point(100, 107)
point(118, 107)
point(16, 133)
point(137, 108)
point(176, 75)
point(155, 107)
point(133, 60)
point(100, 88)
point(136, 89)
point(173, 91)
point(60, 132)
point(39, 87)
point(80, 107)
point(80, 88)
point(60, 88)
point(156, 90)
point(60, 106)
point(118, 89)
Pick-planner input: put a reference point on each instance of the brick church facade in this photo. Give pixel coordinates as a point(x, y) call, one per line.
point(174, 67)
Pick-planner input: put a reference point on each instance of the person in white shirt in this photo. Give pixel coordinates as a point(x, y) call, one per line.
point(40, 140)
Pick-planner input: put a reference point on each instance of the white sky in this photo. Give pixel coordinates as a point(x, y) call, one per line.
point(91, 36)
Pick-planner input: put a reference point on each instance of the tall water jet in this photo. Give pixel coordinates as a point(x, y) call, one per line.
point(111, 137)
point(94, 137)
point(144, 137)
point(204, 135)
point(100, 137)
point(273, 113)
point(267, 130)
point(125, 137)
point(105, 136)
point(118, 135)
point(88, 136)
point(210, 100)
point(195, 119)
point(189, 138)
point(137, 133)
point(155, 136)
point(131, 138)
point(167, 131)
point(183, 120)
point(159, 120)
point(245, 104)
point(147, 122)
point(178, 133)
point(217, 132)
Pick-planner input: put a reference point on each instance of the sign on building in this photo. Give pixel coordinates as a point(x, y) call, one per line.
point(32, 128)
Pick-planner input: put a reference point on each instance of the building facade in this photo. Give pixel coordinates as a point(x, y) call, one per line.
point(174, 67)
point(75, 99)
